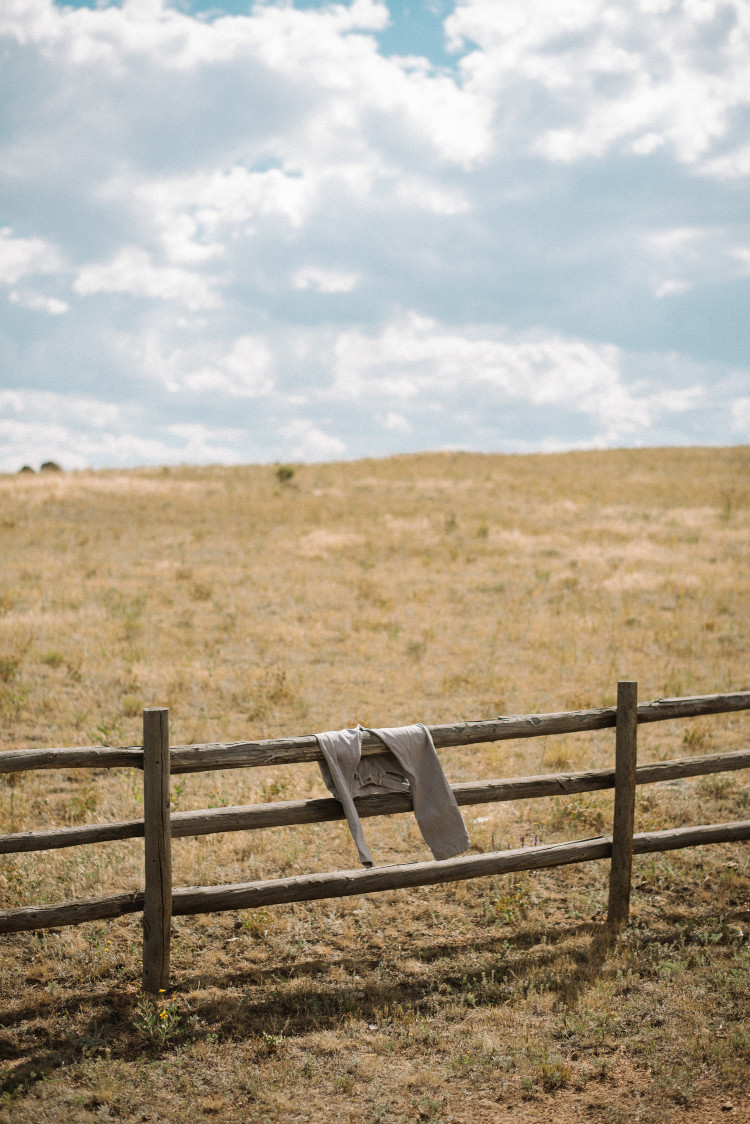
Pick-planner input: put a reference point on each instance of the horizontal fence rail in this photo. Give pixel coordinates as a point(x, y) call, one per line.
point(288, 751)
point(344, 883)
point(287, 813)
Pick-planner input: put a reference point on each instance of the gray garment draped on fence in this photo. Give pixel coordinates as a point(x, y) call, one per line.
point(409, 764)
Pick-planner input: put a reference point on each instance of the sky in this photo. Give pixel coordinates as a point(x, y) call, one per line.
point(255, 232)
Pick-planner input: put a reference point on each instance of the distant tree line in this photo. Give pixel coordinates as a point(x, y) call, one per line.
point(46, 466)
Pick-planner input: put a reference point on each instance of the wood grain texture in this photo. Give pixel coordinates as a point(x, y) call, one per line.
point(70, 913)
point(285, 813)
point(24, 841)
point(80, 757)
point(157, 902)
point(309, 887)
point(285, 751)
point(626, 754)
point(675, 838)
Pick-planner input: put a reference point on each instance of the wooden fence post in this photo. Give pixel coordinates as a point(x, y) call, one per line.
point(626, 754)
point(157, 905)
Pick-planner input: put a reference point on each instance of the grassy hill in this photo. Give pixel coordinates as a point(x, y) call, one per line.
point(429, 588)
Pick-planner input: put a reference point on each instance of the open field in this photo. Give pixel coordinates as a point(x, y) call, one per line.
point(425, 588)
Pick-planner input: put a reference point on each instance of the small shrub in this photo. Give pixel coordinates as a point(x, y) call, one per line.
point(81, 803)
point(554, 1075)
point(696, 737)
point(284, 473)
point(9, 666)
point(415, 649)
point(513, 904)
point(307, 1069)
point(271, 689)
point(271, 789)
point(178, 791)
point(583, 812)
point(131, 706)
point(106, 733)
point(157, 1018)
point(717, 786)
point(271, 1043)
point(11, 703)
point(257, 923)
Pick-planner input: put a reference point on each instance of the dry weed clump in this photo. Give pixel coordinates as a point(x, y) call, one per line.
point(256, 603)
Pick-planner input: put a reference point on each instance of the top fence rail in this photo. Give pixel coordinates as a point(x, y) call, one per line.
point(288, 751)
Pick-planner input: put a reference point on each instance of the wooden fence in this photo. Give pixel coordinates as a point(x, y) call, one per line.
point(160, 900)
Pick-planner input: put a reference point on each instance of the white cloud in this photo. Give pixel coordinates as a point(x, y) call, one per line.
point(684, 258)
point(206, 444)
point(216, 215)
point(243, 372)
point(671, 288)
point(734, 164)
point(30, 442)
point(324, 280)
point(37, 302)
point(133, 272)
point(741, 418)
point(197, 214)
point(319, 53)
point(397, 423)
point(48, 406)
point(41, 425)
point(416, 360)
point(647, 143)
point(78, 432)
point(306, 441)
point(676, 401)
point(742, 255)
point(24, 257)
point(238, 368)
point(611, 71)
point(427, 197)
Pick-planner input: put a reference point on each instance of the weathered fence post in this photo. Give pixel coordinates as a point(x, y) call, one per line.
point(157, 906)
point(626, 754)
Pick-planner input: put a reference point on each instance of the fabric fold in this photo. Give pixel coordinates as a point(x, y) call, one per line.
point(409, 763)
point(435, 807)
point(342, 750)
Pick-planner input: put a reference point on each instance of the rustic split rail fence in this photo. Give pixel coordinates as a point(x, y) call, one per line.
point(160, 900)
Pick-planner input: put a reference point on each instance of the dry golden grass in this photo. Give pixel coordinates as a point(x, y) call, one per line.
point(424, 588)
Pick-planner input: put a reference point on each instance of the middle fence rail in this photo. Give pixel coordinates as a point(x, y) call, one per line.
point(160, 900)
